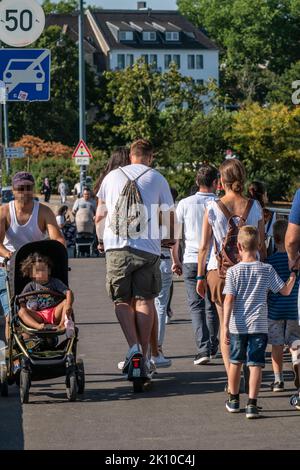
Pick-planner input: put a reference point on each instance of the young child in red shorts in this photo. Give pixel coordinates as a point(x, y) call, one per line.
point(45, 310)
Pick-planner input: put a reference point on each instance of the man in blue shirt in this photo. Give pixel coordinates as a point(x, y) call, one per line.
point(282, 311)
point(292, 244)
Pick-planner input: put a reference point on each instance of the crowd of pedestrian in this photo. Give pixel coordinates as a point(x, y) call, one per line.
point(239, 264)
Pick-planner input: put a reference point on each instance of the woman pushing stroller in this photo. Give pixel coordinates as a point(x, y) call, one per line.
point(45, 309)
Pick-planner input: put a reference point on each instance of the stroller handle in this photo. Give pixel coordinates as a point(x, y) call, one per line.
point(40, 292)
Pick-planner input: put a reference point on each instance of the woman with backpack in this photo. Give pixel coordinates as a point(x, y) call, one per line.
point(221, 223)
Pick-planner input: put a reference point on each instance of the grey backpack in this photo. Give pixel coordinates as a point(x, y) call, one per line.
point(129, 218)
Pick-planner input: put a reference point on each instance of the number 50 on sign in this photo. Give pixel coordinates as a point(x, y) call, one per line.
point(21, 22)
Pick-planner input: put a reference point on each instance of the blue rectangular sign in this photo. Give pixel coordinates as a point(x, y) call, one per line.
point(26, 74)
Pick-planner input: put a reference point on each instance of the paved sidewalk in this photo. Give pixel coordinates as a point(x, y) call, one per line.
point(183, 410)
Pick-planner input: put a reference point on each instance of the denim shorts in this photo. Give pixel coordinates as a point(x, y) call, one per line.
point(248, 349)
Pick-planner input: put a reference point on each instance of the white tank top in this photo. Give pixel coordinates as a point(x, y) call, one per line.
point(18, 235)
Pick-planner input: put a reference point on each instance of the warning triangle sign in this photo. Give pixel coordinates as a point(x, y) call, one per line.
point(82, 150)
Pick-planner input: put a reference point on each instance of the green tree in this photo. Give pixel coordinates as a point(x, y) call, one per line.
point(140, 102)
point(268, 141)
point(282, 89)
point(56, 119)
point(63, 6)
point(254, 37)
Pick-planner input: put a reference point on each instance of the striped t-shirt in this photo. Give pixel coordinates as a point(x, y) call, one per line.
point(250, 284)
point(282, 307)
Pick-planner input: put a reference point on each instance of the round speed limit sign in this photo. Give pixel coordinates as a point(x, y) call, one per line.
point(21, 22)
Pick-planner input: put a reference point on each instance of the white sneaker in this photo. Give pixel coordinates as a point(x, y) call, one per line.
point(150, 368)
point(121, 365)
point(168, 320)
point(161, 361)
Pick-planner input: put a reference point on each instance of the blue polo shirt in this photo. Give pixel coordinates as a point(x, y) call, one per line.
point(294, 217)
point(282, 307)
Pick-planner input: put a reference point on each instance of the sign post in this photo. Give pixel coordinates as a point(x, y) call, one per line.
point(82, 124)
point(21, 23)
point(82, 156)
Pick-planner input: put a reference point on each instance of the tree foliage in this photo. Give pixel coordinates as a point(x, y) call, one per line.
point(257, 38)
point(63, 6)
point(267, 138)
point(140, 102)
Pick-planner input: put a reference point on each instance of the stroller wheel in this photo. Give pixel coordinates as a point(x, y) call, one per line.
point(24, 385)
point(80, 376)
point(71, 386)
point(3, 381)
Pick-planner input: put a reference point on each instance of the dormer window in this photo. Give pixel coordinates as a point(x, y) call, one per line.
point(172, 36)
point(126, 35)
point(149, 36)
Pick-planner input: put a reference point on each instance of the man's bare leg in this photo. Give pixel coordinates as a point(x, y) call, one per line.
point(126, 316)
point(145, 311)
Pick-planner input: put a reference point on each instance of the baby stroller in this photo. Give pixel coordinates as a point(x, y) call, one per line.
point(85, 237)
point(39, 354)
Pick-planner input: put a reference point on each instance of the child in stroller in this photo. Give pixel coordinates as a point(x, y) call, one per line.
point(45, 310)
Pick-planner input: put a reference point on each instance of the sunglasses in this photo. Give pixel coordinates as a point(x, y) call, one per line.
point(25, 187)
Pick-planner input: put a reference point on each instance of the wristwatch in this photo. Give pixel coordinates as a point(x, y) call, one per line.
point(200, 278)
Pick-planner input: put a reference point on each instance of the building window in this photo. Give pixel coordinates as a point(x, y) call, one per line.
point(200, 82)
point(168, 60)
point(153, 61)
point(172, 36)
point(145, 58)
point(191, 62)
point(149, 36)
point(126, 35)
point(176, 60)
point(121, 61)
point(199, 61)
point(129, 60)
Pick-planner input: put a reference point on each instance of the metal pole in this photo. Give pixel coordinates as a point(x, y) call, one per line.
point(82, 123)
point(6, 135)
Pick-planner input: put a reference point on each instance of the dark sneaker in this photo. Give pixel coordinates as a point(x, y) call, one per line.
point(277, 387)
point(233, 406)
point(252, 412)
point(201, 359)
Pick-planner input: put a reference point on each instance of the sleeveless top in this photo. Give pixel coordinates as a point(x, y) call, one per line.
point(18, 235)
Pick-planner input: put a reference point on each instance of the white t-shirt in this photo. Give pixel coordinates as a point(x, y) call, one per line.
point(190, 212)
point(250, 284)
point(219, 224)
point(155, 192)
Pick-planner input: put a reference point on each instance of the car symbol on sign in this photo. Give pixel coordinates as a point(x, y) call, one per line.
point(16, 72)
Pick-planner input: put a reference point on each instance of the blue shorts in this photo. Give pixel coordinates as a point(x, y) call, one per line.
point(248, 349)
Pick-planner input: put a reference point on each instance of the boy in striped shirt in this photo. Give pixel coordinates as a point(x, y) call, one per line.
point(283, 313)
point(246, 316)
